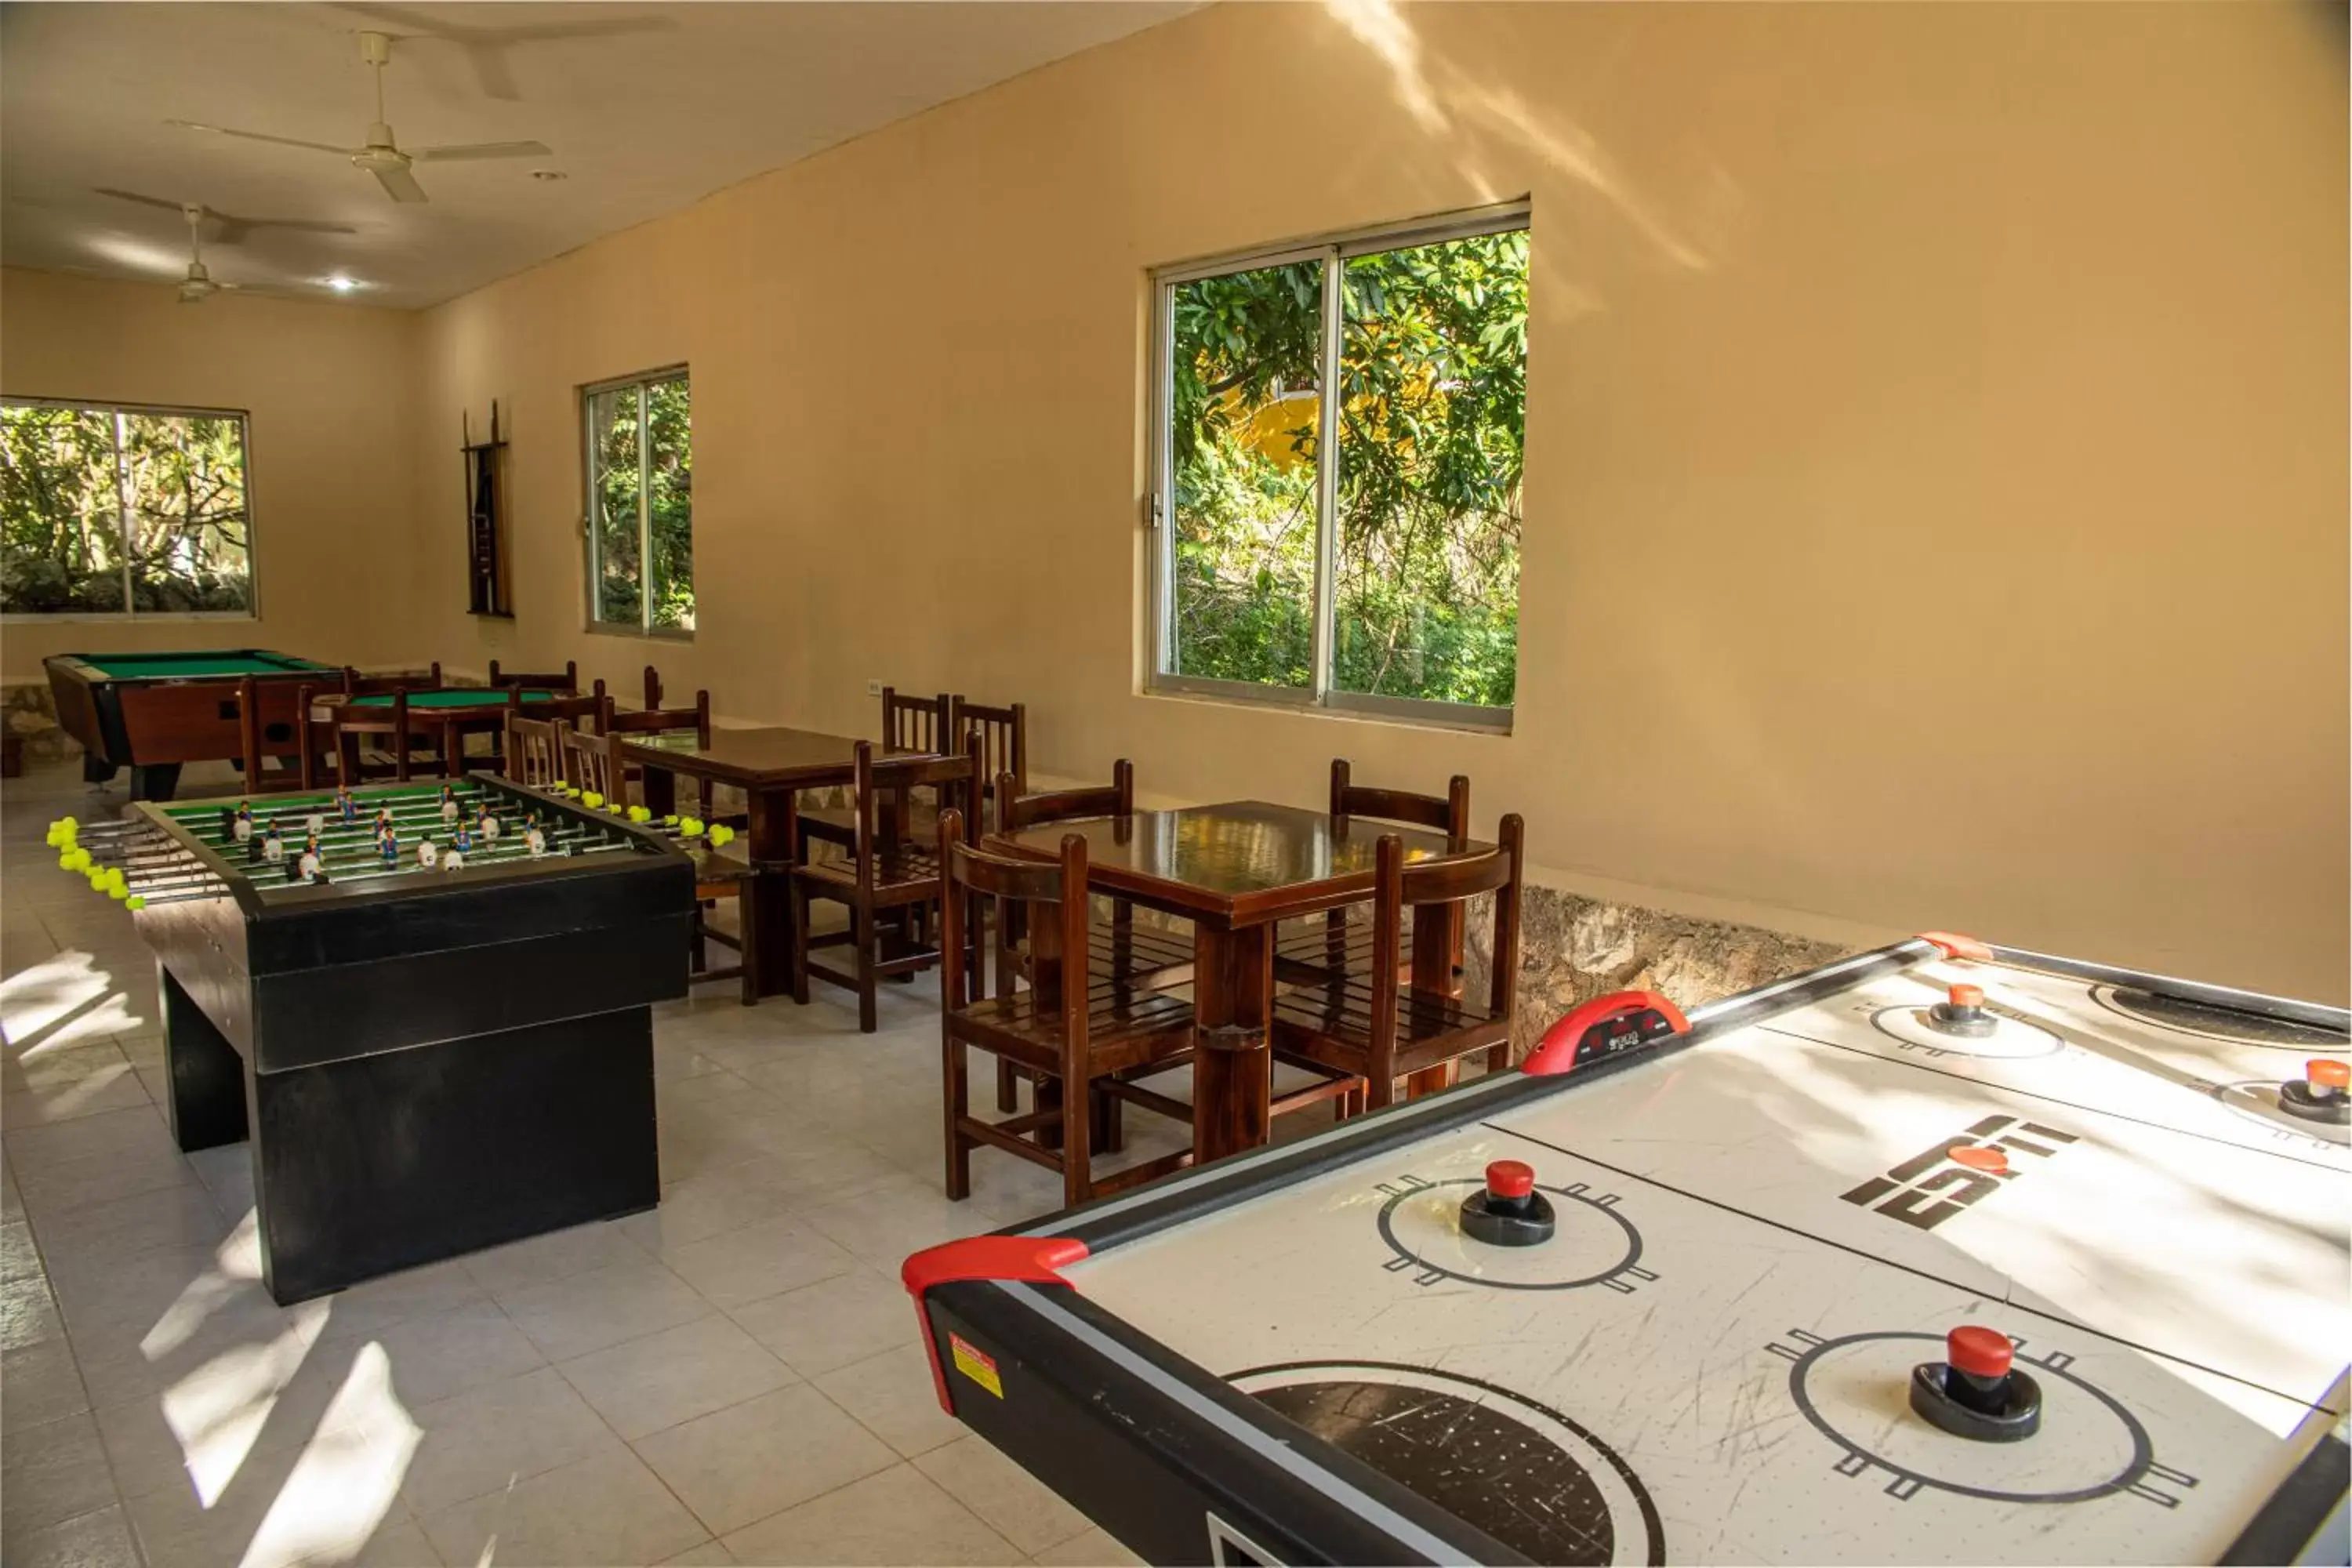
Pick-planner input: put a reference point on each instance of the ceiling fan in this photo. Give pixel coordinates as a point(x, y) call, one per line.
point(379, 155)
point(486, 47)
point(198, 286)
point(227, 229)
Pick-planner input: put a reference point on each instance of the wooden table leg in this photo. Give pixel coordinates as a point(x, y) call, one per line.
point(1233, 1067)
point(453, 749)
point(1436, 970)
point(768, 946)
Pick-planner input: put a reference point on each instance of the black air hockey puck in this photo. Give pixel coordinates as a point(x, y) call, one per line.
point(1977, 1391)
point(1508, 1211)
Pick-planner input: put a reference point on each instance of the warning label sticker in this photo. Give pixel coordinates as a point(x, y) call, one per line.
point(976, 1364)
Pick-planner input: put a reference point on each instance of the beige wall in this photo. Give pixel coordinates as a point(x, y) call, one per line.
point(1937, 441)
point(330, 391)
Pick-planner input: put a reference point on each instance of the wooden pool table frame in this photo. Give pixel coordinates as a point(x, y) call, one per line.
point(153, 723)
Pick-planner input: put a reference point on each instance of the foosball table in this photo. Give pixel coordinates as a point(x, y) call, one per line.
point(428, 1007)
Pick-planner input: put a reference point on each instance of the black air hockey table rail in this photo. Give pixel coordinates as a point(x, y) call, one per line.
point(1145, 1355)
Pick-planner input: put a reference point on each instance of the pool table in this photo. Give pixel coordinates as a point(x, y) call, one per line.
point(153, 711)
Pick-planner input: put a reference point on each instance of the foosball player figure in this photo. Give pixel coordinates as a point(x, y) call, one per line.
point(273, 847)
point(390, 849)
point(426, 854)
point(448, 803)
point(534, 838)
point(488, 827)
point(463, 839)
point(345, 807)
point(242, 827)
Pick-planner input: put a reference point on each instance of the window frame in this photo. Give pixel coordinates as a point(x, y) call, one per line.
point(130, 611)
point(1322, 696)
point(590, 576)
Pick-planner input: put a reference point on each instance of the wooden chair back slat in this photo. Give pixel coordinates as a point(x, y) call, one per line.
point(1015, 810)
point(534, 748)
point(653, 688)
point(917, 723)
point(1435, 887)
point(357, 684)
point(1004, 738)
point(565, 679)
point(596, 709)
point(591, 762)
point(1448, 814)
point(656, 720)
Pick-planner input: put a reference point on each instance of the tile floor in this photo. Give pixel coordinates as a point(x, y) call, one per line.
point(734, 1377)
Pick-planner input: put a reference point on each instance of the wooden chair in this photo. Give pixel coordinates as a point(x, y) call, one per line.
point(1003, 741)
point(1074, 1033)
point(653, 688)
point(286, 761)
point(595, 708)
point(1368, 1022)
point(1117, 947)
point(353, 729)
point(654, 720)
point(909, 724)
point(357, 684)
point(534, 748)
point(880, 874)
point(394, 760)
point(1311, 952)
point(593, 761)
point(565, 679)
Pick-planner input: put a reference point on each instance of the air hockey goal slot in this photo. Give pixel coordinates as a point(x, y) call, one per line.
point(1977, 1392)
point(2324, 1092)
point(1508, 1211)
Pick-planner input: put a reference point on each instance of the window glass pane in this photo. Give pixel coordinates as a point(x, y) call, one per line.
point(1433, 412)
point(1243, 412)
point(668, 414)
point(60, 519)
point(613, 505)
point(185, 474)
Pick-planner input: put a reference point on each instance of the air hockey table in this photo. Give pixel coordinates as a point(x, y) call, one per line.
point(1946, 1253)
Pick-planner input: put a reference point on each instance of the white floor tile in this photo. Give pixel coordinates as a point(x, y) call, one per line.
point(819, 1327)
point(39, 1384)
point(897, 1516)
point(1011, 1501)
point(100, 1539)
point(1095, 1549)
point(648, 1384)
point(584, 1312)
point(740, 1267)
point(490, 1437)
point(893, 1396)
point(606, 1509)
point(758, 1457)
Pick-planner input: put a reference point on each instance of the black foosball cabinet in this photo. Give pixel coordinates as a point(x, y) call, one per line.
point(427, 1060)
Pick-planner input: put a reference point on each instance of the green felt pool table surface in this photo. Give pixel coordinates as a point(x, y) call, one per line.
point(227, 664)
point(451, 696)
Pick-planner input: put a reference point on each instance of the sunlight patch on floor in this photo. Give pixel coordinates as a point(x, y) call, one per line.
point(344, 1483)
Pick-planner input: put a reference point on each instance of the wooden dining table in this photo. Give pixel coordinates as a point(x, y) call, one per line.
point(1236, 870)
point(446, 714)
point(770, 766)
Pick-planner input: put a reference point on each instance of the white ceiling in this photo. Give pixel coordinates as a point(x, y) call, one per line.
point(646, 107)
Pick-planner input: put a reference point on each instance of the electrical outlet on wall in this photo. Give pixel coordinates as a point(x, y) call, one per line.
point(873, 689)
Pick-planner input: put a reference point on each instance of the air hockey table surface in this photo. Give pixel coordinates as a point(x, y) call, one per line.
point(1766, 1216)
